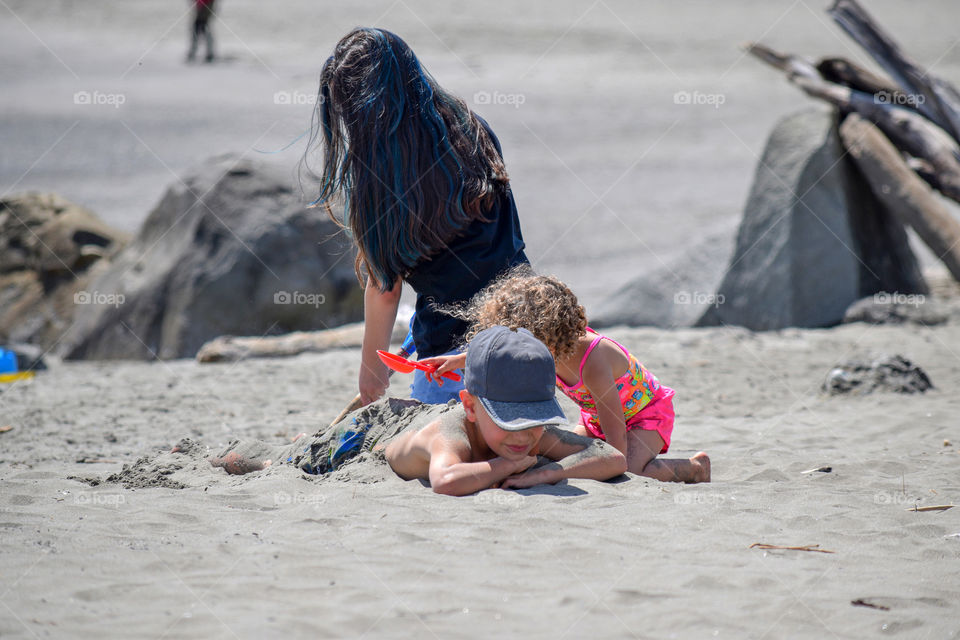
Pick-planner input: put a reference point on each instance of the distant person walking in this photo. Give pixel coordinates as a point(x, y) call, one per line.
point(202, 11)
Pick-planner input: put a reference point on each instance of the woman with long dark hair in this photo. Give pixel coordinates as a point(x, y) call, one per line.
point(425, 195)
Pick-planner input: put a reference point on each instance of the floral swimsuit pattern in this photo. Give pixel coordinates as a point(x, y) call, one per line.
point(637, 388)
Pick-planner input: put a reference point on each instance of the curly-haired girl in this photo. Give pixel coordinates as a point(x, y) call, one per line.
point(620, 400)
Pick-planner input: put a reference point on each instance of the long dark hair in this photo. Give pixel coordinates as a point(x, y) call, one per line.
point(412, 164)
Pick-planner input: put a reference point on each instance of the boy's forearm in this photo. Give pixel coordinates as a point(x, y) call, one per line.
point(469, 477)
point(598, 461)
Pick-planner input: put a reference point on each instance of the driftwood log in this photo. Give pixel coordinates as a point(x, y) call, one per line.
point(842, 71)
point(910, 126)
point(231, 348)
point(909, 131)
point(901, 191)
point(941, 103)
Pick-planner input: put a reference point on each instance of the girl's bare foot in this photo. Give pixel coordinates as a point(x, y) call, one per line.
point(236, 464)
point(701, 468)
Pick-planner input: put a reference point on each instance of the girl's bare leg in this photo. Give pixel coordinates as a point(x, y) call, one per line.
point(643, 446)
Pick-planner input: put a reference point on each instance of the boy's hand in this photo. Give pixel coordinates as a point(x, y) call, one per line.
point(528, 479)
point(518, 468)
point(523, 465)
point(443, 365)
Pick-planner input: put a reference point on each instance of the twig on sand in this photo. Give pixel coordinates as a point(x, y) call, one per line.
point(820, 469)
point(939, 507)
point(863, 603)
point(806, 547)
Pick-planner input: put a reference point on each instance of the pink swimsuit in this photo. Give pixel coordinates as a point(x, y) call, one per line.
point(647, 404)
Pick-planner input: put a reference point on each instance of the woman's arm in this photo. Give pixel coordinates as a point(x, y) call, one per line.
point(379, 316)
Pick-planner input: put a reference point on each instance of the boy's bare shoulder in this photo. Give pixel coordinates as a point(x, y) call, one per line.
point(452, 425)
point(410, 452)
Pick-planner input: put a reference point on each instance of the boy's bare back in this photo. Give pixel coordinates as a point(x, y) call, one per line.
point(409, 453)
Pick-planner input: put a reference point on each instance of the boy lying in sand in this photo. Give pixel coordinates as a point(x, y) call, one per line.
point(491, 440)
point(506, 420)
point(620, 400)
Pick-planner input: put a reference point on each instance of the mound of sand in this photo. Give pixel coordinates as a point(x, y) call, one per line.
point(187, 464)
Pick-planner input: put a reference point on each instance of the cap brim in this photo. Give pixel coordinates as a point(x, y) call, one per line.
point(517, 416)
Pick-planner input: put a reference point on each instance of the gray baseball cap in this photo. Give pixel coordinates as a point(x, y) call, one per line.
point(514, 377)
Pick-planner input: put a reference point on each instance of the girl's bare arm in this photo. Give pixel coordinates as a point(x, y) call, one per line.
point(444, 364)
point(598, 378)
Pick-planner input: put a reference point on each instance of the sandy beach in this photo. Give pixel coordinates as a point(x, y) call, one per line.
point(611, 175)
point(365, 554)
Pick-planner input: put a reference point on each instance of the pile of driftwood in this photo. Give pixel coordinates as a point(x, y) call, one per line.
point(903, 134)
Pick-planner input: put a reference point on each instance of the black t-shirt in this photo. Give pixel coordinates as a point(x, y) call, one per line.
point(481, 252)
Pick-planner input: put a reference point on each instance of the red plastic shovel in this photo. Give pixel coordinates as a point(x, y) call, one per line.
point(402, 365)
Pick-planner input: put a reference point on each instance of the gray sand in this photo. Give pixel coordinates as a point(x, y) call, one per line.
point(363, 552)
point(611, 175)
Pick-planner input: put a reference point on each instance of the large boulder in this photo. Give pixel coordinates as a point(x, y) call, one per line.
point(49, 249)
point(813, 239)
point(229, 250)
point(674, 293)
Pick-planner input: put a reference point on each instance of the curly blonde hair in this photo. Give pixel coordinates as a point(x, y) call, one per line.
point(542, 305)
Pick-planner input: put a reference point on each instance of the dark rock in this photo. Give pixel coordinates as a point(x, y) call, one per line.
point(887, 373)
point(896, 308)
point(813, 239)
point(230, 250)
point(51, 236)
point(49, 249)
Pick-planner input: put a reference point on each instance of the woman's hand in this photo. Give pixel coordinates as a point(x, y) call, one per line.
point(443, 365)
point(374, 380)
